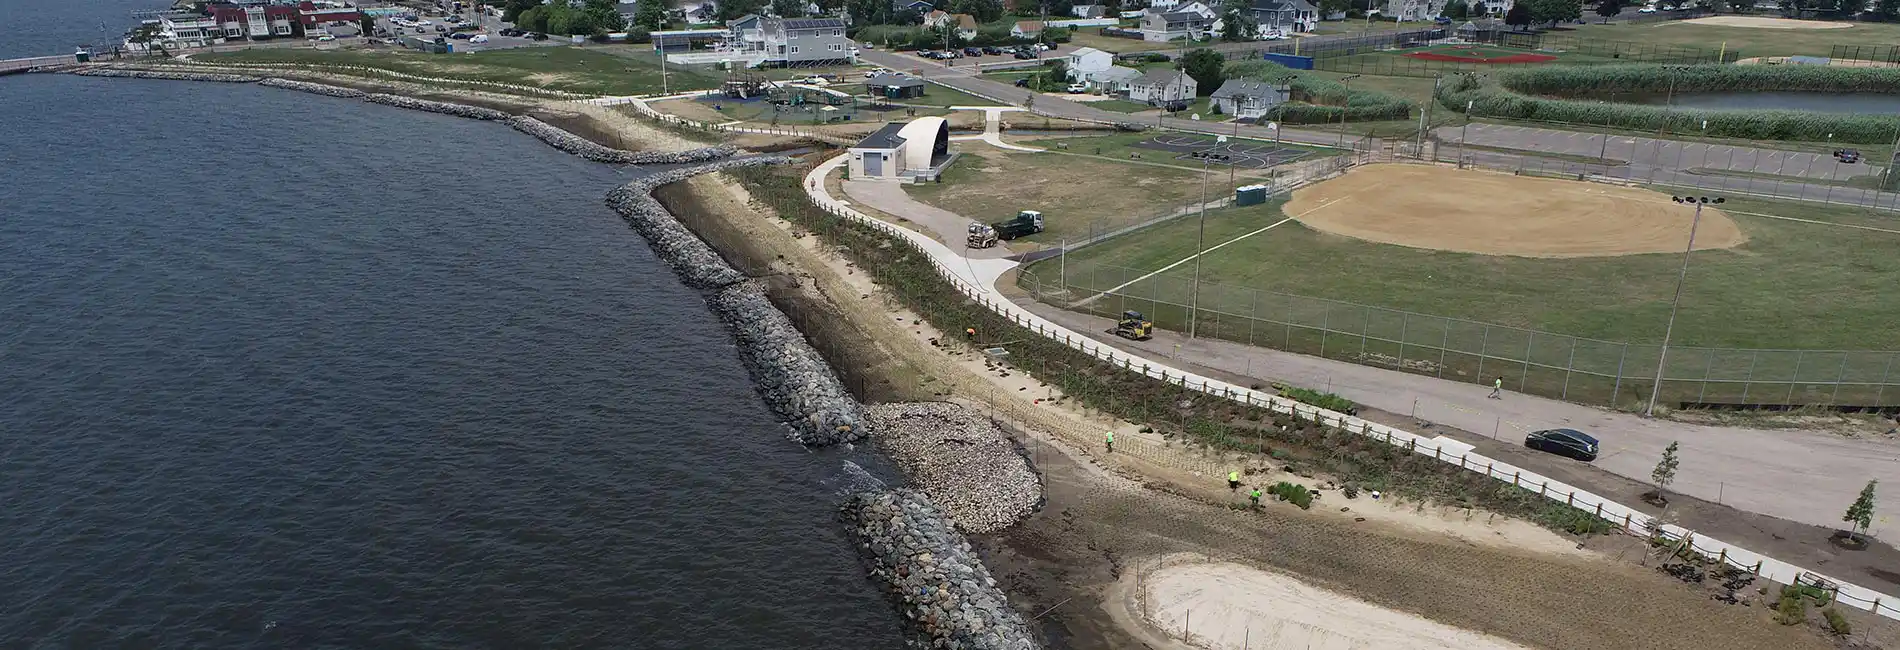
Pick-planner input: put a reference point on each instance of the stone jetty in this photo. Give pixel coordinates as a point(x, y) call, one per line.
point(963, 461)
point(939, 583)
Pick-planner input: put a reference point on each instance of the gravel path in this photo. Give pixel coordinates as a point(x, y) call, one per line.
point(965, 463)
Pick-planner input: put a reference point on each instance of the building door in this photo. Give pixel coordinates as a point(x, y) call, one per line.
point(873, 164)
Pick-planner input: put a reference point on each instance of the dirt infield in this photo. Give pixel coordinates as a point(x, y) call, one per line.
point(1761, 22)
point(1499, 214)
point(1478, 54)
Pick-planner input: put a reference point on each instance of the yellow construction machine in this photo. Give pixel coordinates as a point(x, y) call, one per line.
point(1134, 327)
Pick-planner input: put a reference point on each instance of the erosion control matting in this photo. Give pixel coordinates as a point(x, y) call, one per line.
point(1245, 154)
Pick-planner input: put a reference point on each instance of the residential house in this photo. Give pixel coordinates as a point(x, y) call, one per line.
point(922, 7)
point(1026, 29)
point(187, 29)
point(966, 26)
point(1412, 10)
point(1162, 87)
point(254, 22)
point(936, 18)
point(1247, 99)
point(1284, 16)
point(1163, 6)
point(1164, 27)
point(788, 42)
point(1202, 8)
point(1084, 62)
point(1114, 80)
point(1089, 11)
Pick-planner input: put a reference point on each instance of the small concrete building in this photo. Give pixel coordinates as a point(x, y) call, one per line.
point(894, 86)
point(918, 150)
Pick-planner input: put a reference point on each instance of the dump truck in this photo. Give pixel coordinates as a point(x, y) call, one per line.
point(1026, 223)
point(981, 236)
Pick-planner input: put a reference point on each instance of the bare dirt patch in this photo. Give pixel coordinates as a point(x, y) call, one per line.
point(1222, 605)
point(1762, 22)
point(1488, 213)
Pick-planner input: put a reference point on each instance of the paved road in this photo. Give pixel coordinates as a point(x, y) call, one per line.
point(1669, 154)
point(1803, 476)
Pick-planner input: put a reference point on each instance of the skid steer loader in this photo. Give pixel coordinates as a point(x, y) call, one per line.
point(1134, 327)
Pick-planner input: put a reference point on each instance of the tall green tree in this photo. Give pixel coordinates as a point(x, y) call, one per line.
point(1608, 9)
point(1739, 6)
point(789, 8)
point(367, 23)
point(1204, 65)
point(984, 11)
point(1861, 514)
point(1458, 10)
point(1237, 23)
point(730, 9)
point(1887, 9)
point(650, 15)
point(1519, 17)
point(534, 20)
point(511, 10)
point(604, 16)
point(1554, 11)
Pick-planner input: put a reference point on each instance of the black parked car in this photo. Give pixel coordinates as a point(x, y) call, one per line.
point(1022, 54)
point(1564, 442)
point(1022, 83)
point(971, 51)
point(992, 50)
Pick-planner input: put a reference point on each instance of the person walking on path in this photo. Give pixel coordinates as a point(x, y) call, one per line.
point(1233, 480)
point(1254, 495)
point(1111, 442)
point(1497, 388)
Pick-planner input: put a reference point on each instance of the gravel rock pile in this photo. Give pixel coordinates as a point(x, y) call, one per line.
point(175, 76)
point(792, 377)
point(313, 88)
point(940, 584)
point(560, 138)
point(445, 108)
point(962, 460)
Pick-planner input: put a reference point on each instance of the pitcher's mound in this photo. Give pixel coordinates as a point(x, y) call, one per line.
point(1490, 213)
point(1762, 22)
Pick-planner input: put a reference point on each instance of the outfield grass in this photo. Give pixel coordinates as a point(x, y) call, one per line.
point(1326, 27)
point(1119, 147)
point(572, 69)
point(1749, 41)
point(1792, 286)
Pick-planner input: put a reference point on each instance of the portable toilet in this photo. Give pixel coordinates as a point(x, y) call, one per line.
point(1250, 195)
point(82, 55)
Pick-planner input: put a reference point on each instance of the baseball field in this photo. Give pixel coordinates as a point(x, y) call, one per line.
point(1435, 270)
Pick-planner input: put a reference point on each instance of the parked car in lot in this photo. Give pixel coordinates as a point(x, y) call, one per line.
point(537, 36)
point(478, 38)
point(971, 51)
point(992, 50)
point(460, 36)
point(1022, 83)
point(1025, 54)
point(1564, 442)
point(1078, 88)
point(868, 45)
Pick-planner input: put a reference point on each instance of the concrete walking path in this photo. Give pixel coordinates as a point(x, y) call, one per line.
point(977, 279)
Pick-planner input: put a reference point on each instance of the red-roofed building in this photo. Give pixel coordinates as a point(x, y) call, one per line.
point(255, 21)
point(313, 16)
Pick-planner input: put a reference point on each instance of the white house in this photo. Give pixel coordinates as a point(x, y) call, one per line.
point(1088, 11)
point(1412, 10)
point(1115, 79)
point(1026, 29)
point(1085, 62)
point(1164, 27)
point(1200, 8)
point(1247, 99)
point(1284, 16)
point(1161, 87)
point(936, 18)
point(903, 151)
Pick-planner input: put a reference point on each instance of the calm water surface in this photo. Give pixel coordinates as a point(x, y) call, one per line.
point(279, 370)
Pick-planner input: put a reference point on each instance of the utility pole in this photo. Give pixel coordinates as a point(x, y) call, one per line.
point(1423, 114)
point(1662, 358)
point(1347, 108)
point(1464, 133)
point(1200, 246)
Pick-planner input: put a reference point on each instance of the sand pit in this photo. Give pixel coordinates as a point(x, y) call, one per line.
point(1225, 606)
point(1490, 213)
point(1761, 22)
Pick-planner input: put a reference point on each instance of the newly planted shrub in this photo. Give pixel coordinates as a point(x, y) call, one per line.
point(1837, 622)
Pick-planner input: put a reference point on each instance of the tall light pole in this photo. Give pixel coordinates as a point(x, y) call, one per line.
point(1662, 359)
point(1200, 246)
point(1347, 80)
point(1464, 133)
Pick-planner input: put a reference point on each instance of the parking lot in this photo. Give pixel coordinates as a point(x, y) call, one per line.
point(1667, 154)
point(489, 26)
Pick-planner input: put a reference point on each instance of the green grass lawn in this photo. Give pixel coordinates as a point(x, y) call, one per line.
point(1120, 145)
point(1791, 286)
point(1749, 41)
point(1078, 195)
point(1092, 37)
point(1326, 27)
point(593, 70)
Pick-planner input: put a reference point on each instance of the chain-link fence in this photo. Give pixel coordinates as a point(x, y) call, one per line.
point(1577, 369)
point(1879, 56)
point(1719, 168)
